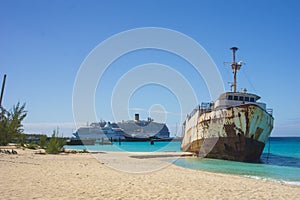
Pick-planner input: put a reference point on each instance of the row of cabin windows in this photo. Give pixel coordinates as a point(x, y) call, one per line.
point(240, 98)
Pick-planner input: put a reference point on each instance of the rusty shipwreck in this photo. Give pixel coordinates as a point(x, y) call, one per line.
point(234, 127)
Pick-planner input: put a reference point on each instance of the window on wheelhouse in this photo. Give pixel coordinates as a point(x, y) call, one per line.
point(241, 98)
point(235, 98)
point(229, 97)
point(251, 99)
point(246, 98)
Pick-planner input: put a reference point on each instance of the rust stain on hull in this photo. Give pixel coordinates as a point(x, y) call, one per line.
point(230, 148)
point(236, 133)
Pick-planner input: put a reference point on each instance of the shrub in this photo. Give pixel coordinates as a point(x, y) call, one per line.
point(85, 151)
point(22, 139)
point(43, 142)
point(10, 123)
point(32, 145)
point(55, 144)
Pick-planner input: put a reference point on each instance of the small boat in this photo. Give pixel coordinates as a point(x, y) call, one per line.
point(76, 141)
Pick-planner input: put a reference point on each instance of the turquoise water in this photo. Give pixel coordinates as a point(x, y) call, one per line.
point(282, 163)
point(131, 147)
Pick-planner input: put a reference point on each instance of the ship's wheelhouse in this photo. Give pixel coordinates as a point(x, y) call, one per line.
point(229, 99)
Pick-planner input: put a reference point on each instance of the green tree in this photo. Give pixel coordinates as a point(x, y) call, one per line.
point(11, 123)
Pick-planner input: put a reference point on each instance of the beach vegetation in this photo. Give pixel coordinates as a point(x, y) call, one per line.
point(32, 145)
point(21, 140)
point(43, 142)
point(11, 123)
point(85, 151)
point(56, 144)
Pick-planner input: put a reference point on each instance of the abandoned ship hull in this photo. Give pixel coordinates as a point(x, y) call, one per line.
point(229, 148)
point(235, 133)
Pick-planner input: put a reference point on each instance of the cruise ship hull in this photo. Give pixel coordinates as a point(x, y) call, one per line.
point(132, 130)
point(236, 133)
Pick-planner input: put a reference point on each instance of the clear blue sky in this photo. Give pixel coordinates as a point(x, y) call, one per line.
point(43, 43)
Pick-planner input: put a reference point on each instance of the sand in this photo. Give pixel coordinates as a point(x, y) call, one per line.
point(113, 175)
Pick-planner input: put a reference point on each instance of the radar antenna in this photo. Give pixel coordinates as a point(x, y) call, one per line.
point(230, 84)
point(235, 67)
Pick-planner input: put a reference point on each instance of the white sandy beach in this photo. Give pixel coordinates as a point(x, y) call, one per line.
point(28, 175)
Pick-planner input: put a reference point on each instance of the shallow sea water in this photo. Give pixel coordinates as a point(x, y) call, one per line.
point(280, 160)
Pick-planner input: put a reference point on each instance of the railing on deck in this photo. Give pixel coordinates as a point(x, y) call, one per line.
point(204, 107)
point(270, 111)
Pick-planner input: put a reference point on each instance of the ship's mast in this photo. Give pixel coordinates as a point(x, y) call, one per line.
point(235, 67)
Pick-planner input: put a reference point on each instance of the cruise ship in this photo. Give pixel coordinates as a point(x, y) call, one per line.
point(234, 127)
point(131, 130)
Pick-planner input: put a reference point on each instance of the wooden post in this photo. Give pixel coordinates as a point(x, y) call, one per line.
point(2, 90)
